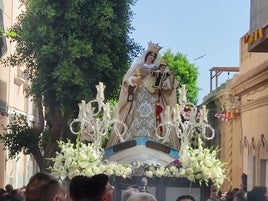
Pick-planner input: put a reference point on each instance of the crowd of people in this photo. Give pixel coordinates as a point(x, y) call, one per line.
point(45, 187)
point(10, 194)
point(257, 193)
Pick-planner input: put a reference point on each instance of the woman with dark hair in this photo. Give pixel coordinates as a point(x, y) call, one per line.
point(138, 100)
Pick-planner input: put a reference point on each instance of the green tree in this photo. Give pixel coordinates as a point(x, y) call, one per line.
point(186, 73)
point(67, 47)
point(22, 137)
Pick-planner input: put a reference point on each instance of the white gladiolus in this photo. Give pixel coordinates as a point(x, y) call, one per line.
point(149, 174)
point(200, 164)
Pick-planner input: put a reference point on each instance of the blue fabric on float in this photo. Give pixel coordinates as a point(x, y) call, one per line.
point(141, 141)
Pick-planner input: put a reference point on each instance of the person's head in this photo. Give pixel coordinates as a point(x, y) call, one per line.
point(235, 190)
point(150, 57)
point(152, 51)
point(9, 188)
point(162, 67)
point(240, 195)
point(185, 198)
point(44, 187)
point(129, 192)
point(2, 192)
point(17, 195)
point(79, 188)
point(258, 193)
point(142, 196)
point(100, 188)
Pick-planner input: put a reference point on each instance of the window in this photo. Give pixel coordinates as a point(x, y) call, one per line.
point(3, 44)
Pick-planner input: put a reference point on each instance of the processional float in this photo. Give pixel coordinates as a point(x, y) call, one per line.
point(185, 121)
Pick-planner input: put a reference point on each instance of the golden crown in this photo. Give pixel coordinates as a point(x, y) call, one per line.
point(154, 47)
point(163, 62)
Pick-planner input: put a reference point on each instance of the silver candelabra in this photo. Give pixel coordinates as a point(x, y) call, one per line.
point(96, 119)
point(185, 120)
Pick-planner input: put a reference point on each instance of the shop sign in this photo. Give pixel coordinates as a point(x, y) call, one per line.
point(256, 35)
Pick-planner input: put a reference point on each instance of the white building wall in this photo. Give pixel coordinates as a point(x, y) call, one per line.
point(12, 95)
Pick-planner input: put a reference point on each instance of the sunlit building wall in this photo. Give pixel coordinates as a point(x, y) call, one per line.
point(13, 101)
point(251, 86)
point(243, 134)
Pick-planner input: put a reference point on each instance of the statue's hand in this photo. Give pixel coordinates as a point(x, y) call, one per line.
point(137, 81)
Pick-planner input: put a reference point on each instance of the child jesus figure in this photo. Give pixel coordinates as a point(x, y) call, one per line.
point(160, 76)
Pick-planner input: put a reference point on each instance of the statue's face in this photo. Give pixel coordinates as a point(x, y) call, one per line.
point(163, 68)
point(150, 57)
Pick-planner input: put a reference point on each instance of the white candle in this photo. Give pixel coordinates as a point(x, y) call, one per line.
point(116, 111)
point(204, 109)
point(89, 108)
point(183, 93)
point(168, 113)
point(83, 108)
point(192, 118)
point(183, 90)
point(204, 112)
point(101, 94)
point(177, 108)
point(178, 115)
point(107, 109)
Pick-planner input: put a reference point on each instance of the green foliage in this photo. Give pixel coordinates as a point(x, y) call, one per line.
point(67, 47)
point(20, 137)
point(186, 73)
point(1, 32)
point(9, 34)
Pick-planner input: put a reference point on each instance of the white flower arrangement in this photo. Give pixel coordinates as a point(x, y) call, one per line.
point(84, 159)
point(200, 164)
point(196, 164)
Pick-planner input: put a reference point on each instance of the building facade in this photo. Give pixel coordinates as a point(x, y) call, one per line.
point(251, 88)
point(242, 102)
point(13, 101)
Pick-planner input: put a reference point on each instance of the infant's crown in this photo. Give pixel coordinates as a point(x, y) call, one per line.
point(163, 62)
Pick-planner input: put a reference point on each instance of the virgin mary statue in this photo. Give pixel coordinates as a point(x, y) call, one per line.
point(141, 106)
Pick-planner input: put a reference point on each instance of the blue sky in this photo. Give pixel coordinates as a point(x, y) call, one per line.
point(195, 28)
